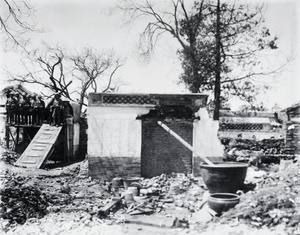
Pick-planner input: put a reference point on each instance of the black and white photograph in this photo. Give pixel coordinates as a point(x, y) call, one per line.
point(149, 117)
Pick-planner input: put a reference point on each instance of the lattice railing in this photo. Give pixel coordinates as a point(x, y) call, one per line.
point(127, 99)
point(241, 126)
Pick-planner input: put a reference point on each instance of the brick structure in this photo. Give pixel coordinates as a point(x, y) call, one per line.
point(124, 139)
point(161, 152)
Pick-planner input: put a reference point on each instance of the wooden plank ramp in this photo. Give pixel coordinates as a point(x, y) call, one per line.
point(40, 148)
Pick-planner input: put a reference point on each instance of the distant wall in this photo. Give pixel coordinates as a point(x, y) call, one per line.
point(248, 127)
point(249, 134)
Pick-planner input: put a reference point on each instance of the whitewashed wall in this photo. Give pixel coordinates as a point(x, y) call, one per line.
point(205, 136)
point(114, 131)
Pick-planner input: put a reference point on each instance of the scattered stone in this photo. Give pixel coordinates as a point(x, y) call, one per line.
point(65, 188)
point(284, 164)
point(144, 191)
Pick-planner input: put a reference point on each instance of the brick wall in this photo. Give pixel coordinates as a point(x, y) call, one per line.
point(107, 168)
point(161, 152)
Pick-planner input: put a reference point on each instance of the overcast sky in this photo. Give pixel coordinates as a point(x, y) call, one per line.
point(76, 24)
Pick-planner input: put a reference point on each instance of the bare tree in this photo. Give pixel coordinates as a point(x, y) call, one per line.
point(16, 18)
point(73, 76)
point(89, 67)
point(45, 69)
point(214, 37)
point(160, 21)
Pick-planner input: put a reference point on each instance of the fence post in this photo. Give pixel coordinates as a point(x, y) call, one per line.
point(69, 139)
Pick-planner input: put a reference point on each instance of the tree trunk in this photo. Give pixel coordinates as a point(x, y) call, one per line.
point(81, 101)
point(217, 92)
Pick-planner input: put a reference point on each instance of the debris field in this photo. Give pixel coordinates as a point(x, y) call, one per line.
point(269, 198)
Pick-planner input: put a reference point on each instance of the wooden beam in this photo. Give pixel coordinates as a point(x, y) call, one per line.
point(186, 144)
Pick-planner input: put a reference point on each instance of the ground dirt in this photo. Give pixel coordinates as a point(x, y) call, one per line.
point(77, 212)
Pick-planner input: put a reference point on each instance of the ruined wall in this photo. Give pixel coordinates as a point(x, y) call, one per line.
point(119, 145)
point(161, 152)
point(205, 140)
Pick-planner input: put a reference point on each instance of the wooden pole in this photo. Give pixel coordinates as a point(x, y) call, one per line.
point(7, 135)
point(17, 138)
point(217, 90)
point(69, 138)
point(186, 144)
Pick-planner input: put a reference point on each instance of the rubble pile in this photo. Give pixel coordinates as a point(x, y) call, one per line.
point(9, 157)
point(162, 183)
point(266, 146)
point(176, 188)
point(56, 200)
point(274, 201)
point(20, 201)
point(255, 152)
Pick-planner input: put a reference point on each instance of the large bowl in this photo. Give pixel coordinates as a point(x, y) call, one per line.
point(221, 202)
point(128, 181)
point(223, 177)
